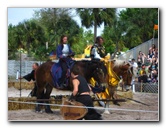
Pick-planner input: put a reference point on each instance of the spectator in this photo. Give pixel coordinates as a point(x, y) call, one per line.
point(150, 55)
point(153, 65)
point(152, 48)
point(142, 74)
point(154, 76)
point(141, 58)
point(135, 67)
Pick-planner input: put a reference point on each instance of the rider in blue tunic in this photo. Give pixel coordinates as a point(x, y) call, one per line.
point(64, 53)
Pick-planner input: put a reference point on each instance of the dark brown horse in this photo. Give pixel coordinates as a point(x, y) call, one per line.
point(45, 83)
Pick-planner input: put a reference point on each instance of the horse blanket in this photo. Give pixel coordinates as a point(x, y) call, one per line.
point(56, 72)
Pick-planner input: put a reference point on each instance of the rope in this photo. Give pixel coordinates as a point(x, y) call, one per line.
point(116, 109)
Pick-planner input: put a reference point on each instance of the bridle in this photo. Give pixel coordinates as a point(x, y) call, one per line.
point(128, 72)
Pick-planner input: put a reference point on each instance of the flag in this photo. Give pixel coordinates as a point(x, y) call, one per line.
point(155, 25)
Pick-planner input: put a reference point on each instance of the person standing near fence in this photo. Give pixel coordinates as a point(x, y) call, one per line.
point(31, 78)
point(142, 74)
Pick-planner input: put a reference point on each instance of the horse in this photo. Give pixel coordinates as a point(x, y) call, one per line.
point(124, 70)
point(45, 82)
point(118, 71)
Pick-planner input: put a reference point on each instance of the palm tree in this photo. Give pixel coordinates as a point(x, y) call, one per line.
point(95, 17)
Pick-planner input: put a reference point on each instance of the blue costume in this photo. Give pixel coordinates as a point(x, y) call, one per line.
point(64, 54)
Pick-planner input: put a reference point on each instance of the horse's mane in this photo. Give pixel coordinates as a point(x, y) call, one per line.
point(93, 64)
point(118, 63)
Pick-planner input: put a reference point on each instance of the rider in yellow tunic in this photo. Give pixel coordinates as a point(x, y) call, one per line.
point(98, 53)
point(98, 50)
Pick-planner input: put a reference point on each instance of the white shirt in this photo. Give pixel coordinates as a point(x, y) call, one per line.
point(95, 53)
point(135, 65)
point(65, 50)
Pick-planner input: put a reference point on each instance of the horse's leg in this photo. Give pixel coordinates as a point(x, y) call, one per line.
point(122, 87)
point(47, 96)
point(107, 103)
point(40, 94)
point(113, 95)
point(106, 107)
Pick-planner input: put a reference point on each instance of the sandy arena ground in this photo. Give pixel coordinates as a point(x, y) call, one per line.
point(127, 111)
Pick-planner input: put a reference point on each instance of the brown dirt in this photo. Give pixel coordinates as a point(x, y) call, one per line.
point(127, 111)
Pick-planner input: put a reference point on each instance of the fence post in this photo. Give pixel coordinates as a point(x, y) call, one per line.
point(133, 87)
point(141, 84)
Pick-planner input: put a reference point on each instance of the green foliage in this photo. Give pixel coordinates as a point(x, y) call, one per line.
point(132, 27)
point(138, 25)
point(47, 26)
point(95, 17)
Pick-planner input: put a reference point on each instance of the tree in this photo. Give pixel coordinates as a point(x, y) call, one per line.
point(138, 25)
point(27, 35)
point(95, 17)
point(57, 22)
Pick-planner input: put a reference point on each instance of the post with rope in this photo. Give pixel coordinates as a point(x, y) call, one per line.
point(20, 51)
point(141, 85)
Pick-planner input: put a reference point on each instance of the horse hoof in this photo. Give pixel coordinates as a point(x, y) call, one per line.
point(50, 111)
point(116, 103)
point(39, 111)
point(106, 112)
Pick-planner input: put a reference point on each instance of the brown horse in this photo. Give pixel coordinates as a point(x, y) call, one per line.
point(123, 70)
point(117, 70)
point(45, 83)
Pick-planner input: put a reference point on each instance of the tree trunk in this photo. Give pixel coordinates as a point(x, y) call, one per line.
point(117, 48)
point(95, 31)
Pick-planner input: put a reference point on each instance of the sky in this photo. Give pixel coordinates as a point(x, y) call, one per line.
point(16, 15)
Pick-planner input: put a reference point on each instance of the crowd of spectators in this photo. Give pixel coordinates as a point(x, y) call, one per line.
point(147, 65)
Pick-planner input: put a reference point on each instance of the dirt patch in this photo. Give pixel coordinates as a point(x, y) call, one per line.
point(127, 111)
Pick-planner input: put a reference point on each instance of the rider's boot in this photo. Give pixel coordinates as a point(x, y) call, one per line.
point(62, 84)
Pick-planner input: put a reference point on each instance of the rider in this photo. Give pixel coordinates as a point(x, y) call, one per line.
point(98, 50)
point(81, 93)
point(64, 53)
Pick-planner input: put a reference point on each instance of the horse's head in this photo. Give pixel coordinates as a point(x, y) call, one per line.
point(125, 70)
point(99, 73)
point(127, 76)
point(95, 70)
